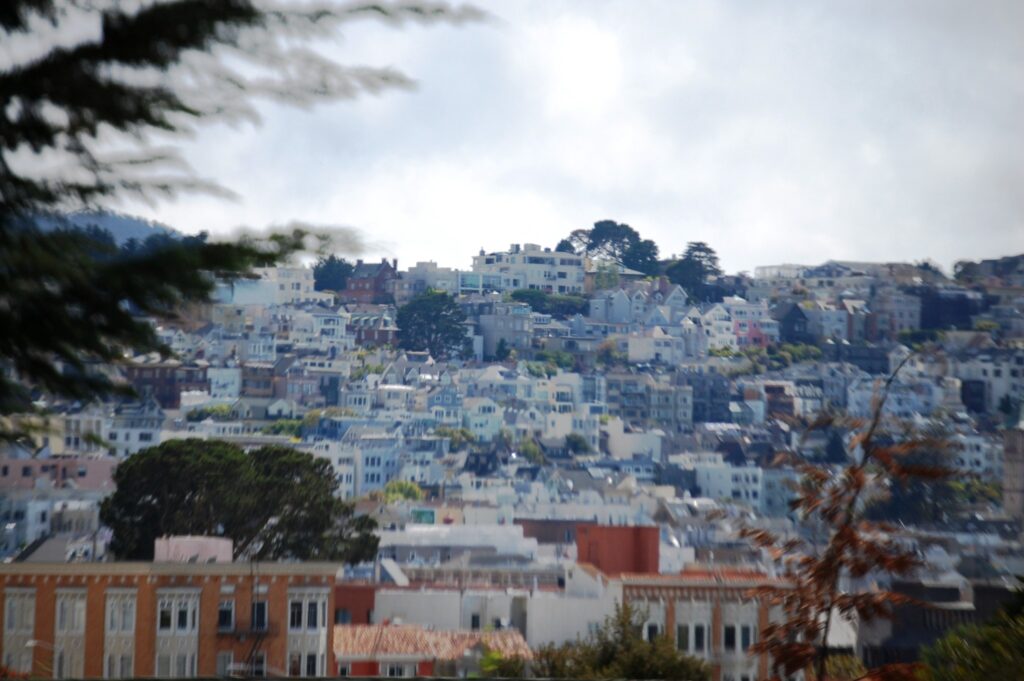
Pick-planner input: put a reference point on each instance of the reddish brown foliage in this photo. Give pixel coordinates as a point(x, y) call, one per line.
point(855, 547)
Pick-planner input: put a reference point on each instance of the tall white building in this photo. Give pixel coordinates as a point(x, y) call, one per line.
point(529, 266)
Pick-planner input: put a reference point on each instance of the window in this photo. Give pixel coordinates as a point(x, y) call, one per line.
point(225, 659)
point(652, 632)
point(259, 616)
point(226, 616)
point(746, 636)
point(125, 667)
point(311, 614)
point(164, 616)
point(683, 637)
point(342, 616)
point(311, 664)
point(474, 622)
point(294, 664)
point(295, 615)
point(70, 613)
point(396, 670)
point(259, 660)
point(730, 637)
point(163, 666)
point(182, 616)
point(698, 637)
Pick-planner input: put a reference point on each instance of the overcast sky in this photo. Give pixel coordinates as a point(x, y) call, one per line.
point(775, 131)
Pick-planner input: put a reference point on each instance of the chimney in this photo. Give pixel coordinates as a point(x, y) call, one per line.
point(359, 262)
point(394, 264)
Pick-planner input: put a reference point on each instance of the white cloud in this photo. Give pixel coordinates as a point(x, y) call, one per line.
point(775, 131)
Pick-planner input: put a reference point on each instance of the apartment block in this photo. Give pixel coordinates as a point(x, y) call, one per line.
point(528, 266)
point(708, 613)
point(168, 620)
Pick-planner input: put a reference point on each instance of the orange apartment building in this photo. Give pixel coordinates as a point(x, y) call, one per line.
point(709, 613)
point(180, 620)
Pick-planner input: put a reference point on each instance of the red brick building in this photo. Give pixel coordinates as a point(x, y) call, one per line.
point(123, 620)
point(618, 550)
point(370, 282)
point(165, 381)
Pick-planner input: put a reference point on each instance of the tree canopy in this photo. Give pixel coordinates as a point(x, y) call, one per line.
point(432, 321)
point(555, 304)
point(273, 503)
point(331, 273)
point(402, 490)
point(692, 271)
point(917, 500)
point(976, 652)
point(614, 241)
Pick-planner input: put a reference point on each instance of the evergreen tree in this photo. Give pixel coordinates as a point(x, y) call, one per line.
point(273, 503)
point(692, 271)
point(124, 72)
point(331, 273)
point(432, 321)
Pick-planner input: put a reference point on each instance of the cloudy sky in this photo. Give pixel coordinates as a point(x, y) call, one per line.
point(775, 131)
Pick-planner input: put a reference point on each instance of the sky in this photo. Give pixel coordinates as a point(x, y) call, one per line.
point(776, 131)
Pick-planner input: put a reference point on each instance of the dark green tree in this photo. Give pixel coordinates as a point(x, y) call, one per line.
point(554, 304)
point(502, 350)
point(692, 271)
point(577, 444)
point(78, 120)
point(331, 273)
point(618, 651)
point(920, 500)
point(977, 652)
point(432, 321)
point(273, 503)
point(565, 246)
point(618, 242)
point(642, 256)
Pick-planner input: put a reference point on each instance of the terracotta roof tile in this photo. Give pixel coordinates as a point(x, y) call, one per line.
point(381, 641)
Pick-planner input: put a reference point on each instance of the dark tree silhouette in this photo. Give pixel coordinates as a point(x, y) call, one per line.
point(273, 502)
point(692, 271)
point(78, 117)
point(331, 273)
point(614, 241)
point(432, 321)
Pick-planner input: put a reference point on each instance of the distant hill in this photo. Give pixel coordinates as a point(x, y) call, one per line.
point(122, 227)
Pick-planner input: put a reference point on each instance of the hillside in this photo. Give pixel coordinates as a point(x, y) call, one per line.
point(122, 227)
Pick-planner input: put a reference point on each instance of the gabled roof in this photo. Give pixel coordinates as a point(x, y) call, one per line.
point(368, 270)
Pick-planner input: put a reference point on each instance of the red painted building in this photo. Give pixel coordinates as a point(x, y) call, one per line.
point(619, 550)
